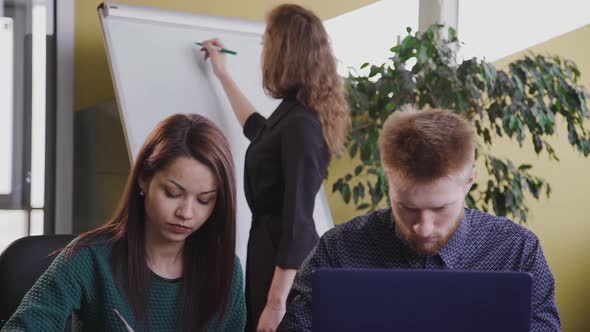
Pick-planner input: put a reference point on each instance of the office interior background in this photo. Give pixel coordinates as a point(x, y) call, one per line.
point(62, 149)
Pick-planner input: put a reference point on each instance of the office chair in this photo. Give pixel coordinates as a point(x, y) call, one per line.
point(21, 264)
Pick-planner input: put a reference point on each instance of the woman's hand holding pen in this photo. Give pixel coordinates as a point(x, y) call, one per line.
point(241, 106)
point(211, 48)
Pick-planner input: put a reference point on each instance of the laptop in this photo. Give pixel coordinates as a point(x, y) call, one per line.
point(420, 300)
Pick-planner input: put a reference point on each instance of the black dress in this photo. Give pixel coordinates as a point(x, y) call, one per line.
point(285, 165)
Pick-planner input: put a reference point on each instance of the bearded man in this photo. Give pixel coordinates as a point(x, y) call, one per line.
point(428, 159)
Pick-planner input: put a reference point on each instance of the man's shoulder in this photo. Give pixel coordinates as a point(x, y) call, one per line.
point(498, 228)
point(366, 224)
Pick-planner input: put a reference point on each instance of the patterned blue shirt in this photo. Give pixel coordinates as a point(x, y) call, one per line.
point(481, 243)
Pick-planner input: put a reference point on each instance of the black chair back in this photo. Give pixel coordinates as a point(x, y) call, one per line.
point(21, 264)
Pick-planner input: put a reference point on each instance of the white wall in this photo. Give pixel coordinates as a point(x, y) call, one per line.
point(367, 34)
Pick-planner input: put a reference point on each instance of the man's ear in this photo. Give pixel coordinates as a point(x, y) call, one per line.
point(394, 180)
point(472, 173)
point(388, 175)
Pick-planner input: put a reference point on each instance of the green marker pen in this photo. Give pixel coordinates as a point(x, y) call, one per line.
point(223, 50)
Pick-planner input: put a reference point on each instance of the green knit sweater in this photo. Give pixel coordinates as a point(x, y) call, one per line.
point(83, 284)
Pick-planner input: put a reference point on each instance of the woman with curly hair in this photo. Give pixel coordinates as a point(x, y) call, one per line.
point(289, 152)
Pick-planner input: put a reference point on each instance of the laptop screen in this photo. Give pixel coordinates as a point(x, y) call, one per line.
point(420, 300)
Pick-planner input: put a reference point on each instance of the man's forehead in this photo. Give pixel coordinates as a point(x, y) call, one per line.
point(426, 195)
point(402, 181)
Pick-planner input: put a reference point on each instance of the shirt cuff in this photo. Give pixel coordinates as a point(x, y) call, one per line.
point(253, 125)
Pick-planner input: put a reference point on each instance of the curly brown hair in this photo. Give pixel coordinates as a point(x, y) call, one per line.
point(297, 60)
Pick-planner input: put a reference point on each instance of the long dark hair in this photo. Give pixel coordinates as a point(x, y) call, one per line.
point(209, 253)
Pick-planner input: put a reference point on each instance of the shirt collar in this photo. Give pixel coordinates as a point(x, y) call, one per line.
point(451, 252)
point(283, 108)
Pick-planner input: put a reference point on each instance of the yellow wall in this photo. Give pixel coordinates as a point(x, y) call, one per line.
point(562, 222)
point(92, 77)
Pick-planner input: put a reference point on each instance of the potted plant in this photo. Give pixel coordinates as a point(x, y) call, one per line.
point(523, 102)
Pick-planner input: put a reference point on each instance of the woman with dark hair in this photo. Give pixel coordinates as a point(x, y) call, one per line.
point(166, 260)
point(289, 152)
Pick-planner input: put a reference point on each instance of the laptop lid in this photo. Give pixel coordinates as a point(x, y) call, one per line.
point(420, 300)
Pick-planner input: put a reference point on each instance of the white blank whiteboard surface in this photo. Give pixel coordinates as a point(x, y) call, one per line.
point(157, 71)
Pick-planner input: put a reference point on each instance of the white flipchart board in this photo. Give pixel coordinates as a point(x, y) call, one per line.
point(157, 70)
